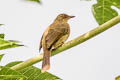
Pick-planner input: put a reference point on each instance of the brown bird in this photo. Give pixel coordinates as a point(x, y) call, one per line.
point(53, 37)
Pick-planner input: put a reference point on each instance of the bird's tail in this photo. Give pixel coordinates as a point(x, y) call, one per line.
point(46, 59)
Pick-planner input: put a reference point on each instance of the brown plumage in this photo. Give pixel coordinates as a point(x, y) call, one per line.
point(53, 37)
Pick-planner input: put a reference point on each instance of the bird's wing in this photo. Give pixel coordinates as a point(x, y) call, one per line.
point(40, 43)
point(54, 35)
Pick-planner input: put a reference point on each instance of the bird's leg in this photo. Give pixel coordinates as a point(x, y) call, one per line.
point(57, 45)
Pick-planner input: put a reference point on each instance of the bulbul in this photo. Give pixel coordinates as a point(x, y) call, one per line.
point(53, 37)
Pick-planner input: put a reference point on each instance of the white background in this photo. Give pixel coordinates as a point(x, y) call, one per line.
point(95, 59)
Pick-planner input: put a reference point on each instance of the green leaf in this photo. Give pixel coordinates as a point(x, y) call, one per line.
point(4, 44)
point(37, 1)
point(1, 55)
point(34, 73)
point(8, 77)
point(2, 36)
point(1, 24)
point(9, 74)
point(103, 12)
point(12, 63)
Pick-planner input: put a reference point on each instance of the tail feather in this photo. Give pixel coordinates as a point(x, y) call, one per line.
point(46, 60)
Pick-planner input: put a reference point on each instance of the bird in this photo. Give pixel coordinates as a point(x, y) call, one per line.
point(53, 37)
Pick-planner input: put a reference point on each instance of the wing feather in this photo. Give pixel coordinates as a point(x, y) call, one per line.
point(52, 37)
point(40, 43)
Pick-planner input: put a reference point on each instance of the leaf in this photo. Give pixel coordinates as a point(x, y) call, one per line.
point(1, 24)
point(1, 55)
point(9, 74)
point(12, 63)
point(103, 12)
point(4, 44)
point(2, 36)
point(37, 1)
point(14, 41)
point(34, 73)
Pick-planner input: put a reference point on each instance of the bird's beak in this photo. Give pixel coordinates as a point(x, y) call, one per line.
point(72, 16)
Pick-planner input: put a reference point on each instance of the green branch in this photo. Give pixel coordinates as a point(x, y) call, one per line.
point(71, 43)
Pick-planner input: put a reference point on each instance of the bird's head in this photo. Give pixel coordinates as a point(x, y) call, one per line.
point(63, 17)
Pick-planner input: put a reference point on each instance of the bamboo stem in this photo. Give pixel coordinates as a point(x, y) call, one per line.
point(71, 43)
